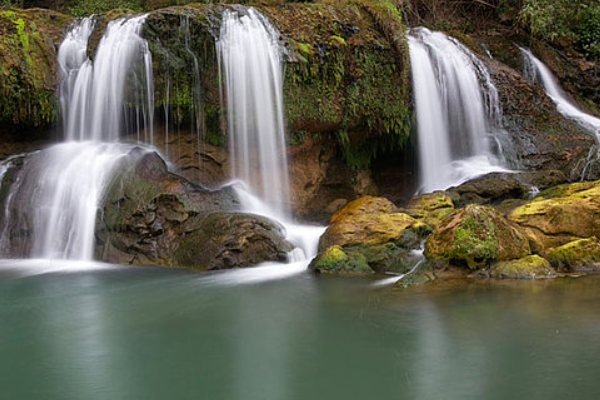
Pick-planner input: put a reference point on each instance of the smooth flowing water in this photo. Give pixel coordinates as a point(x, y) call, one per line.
point(536, 71)
point(457, 111)
point(250, 58)
point(114, 94)
point(96, 332)
point(51, 206)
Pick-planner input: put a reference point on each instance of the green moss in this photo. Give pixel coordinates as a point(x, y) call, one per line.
point(335, 261)
point(577, 255)
point(475, 241)
point(530, 267)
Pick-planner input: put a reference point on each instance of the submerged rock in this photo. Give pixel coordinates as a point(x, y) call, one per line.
point(475, 237)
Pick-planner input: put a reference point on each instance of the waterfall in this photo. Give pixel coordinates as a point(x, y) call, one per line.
point(536, 71)
point(51, 207)
point(457, 111)
point(112, 95)
point(250, 60)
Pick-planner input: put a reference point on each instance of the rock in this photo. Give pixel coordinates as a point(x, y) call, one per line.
point(366, 229)
point(368, 235)
point(489, 189)
point(151, 216)
point(530, 267)
point(335, 261)
point(230, 240)
point(560, 215)
point(363, 206)
point(430, 208)
point(579, 255)
point(476, 236)
point(336, 205)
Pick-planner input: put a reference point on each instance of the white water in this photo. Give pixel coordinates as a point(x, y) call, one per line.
point(55, 197)
point(252, 79)
point(536, 71)
point(457, 111)
point(112, 95)
point(61, 187)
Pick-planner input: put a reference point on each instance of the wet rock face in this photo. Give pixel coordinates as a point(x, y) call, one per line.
point(151, 216)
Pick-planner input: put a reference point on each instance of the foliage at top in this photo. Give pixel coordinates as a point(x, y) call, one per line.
point(565, 22)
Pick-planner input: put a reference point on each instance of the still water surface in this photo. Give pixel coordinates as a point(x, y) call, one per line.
point(149, 333)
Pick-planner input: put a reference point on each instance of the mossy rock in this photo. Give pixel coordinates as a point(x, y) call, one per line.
point(334, 260)
point(561, 215)
point(476, 236)
point(530, 267)
point(579, 255)
point(364, 205)
point(366, 229)
point(430, 208)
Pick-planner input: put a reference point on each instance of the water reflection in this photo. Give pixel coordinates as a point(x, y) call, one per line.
point(146, 333)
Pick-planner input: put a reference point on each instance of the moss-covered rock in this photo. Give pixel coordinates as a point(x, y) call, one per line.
point(354, 226)
point(475, 237)
point(530, 267)
point(369, 234)
point(430, 208)
point(561, 215)
point(28, 66)
point(579, 255)
point(334, 260)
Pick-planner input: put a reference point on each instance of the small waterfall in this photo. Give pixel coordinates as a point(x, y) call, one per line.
point(536, 71)
point(457, 111)
point(114, 94)
point(50, 210)
point(250, 60)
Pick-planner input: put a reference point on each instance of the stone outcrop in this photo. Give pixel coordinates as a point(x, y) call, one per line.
point(151, 216)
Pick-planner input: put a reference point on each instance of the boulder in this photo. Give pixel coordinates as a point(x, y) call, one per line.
point(369, 234)
point(560, 215)
point(579, 255)
point(476, 236)
point(230, 240)
point(489, 189)
point(151, 216)
point(530, 267)
point(430, 208)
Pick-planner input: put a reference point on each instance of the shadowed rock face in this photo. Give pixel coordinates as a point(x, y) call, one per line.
point(151, 216)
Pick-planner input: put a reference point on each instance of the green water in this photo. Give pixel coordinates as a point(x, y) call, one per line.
point(148, 333)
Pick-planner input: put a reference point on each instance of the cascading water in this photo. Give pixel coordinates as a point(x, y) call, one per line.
point(457, 111)
point(115, 93)
point(252, 78)
point(50, 210)
point(250, 58)
point(536, 71)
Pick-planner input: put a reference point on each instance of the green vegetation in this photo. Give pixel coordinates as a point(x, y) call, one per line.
point(565, 22)
point(88, 7)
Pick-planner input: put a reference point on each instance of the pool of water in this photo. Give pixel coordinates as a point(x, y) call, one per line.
point(70, 331)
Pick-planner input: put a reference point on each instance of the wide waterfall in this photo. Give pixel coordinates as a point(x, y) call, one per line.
point(50, 210)
point(250, 59)
point(457, 111)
